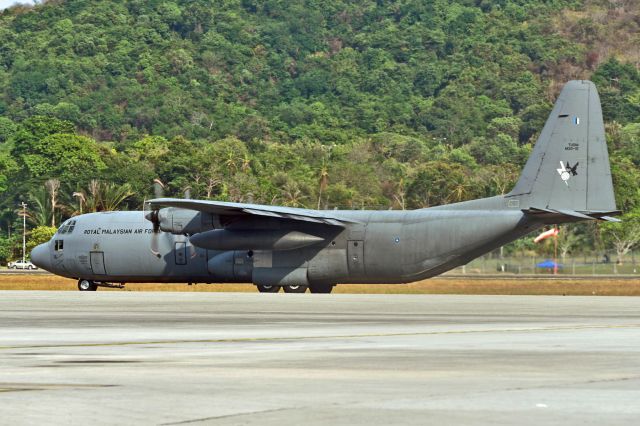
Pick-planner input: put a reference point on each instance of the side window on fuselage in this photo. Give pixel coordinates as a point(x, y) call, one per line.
point(58, 245)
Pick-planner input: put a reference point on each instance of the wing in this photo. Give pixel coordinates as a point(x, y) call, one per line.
point(223, 208)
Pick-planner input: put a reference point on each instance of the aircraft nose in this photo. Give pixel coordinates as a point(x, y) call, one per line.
point(41, 257)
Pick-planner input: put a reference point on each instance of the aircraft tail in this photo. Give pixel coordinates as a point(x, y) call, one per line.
point(568, 171)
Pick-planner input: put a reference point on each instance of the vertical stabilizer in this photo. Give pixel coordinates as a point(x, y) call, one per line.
point(569, 166)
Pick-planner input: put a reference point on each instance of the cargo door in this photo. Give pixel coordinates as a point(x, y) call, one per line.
point(97, 263)
point(355, 254)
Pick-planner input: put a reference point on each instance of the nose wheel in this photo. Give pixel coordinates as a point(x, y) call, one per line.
point(87, 285)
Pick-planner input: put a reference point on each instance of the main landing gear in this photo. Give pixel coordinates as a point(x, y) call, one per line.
point(314, 288)
point(268, 288)
point(321, 288)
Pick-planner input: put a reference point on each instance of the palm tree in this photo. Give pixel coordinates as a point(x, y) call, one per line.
point(212, 183)
point(399, 196)
point(323, 181)
point(102, 196)
point(92, 196)
point(114, 195)
point(246, 163)
point(53, 186)
point(7, 216)
point(459, 192)
point(230, 162)
point(292, 194)
point(82, 198)
point(41, 213)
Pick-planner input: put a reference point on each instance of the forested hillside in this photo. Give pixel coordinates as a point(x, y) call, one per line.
point(335, 103)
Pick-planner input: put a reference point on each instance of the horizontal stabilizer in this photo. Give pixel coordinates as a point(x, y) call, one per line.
point(564, 215)
point(610, 219)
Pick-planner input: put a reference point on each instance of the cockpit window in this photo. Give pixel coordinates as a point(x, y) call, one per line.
point(67, 227)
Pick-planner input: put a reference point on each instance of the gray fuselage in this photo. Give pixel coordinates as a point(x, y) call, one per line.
point(378, 247)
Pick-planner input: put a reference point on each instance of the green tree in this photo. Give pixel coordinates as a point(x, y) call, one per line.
point(8, 247)
point(8, 168)
point(39, 235)
point(623, 236)
point(7, 129)
point(67, 157)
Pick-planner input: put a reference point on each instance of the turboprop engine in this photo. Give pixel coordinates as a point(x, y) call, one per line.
point(181, 221)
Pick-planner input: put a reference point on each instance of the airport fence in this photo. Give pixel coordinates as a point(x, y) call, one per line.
point(537, 265)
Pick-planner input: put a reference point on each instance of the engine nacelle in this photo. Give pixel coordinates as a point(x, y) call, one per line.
point(184, 221)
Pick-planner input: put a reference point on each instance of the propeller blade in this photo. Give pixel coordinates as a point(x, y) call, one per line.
point(154, 244)
point(153, 217)
point(192, 251)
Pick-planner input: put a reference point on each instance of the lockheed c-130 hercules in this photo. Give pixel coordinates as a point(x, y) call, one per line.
point(566, 179)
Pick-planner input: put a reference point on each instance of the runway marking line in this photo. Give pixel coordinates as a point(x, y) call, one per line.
point(225, 416)
point(339, 336)
point(22, 387)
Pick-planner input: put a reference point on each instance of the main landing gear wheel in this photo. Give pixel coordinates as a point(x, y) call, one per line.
point(321, 288)
point(295, 288)
point(268, 288)
point(87, 285)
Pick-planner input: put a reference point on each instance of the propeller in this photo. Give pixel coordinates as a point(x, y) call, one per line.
point(153, 216)
point(192, 248)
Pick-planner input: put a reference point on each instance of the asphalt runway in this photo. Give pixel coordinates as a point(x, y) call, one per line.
point(272, 359)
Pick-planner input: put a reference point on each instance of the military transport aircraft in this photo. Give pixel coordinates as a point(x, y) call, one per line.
point(566, 179)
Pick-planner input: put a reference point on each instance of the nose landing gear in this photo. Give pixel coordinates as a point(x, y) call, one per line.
point(87, 285)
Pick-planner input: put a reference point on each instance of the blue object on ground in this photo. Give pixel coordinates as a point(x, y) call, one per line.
point(548, 264)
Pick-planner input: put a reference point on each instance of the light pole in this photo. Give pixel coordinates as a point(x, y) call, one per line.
point(24, 229)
